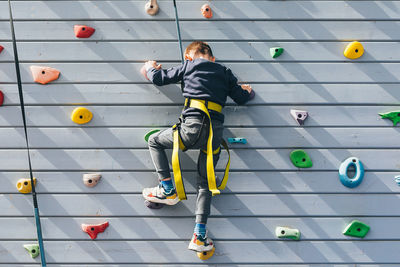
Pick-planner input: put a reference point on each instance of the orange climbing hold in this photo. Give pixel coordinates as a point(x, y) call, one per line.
point(83, 31)
point(1, 98)
point(206, 11)
point(44, 75)
point(93, 230)
point(151, 7)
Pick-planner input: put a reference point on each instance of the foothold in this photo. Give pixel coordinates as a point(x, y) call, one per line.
point(354, 50)
point(83, 31)
point(286, 232)
point(151, 7)
point(206, 11)
point(240, 140)
point(276, 51)
point(33, 249)
point(153, 205)
point(24, 185)
point(1, 48)
point(358, 177)
point(1, 98)
point(92, 230)
point(44, 75)
point(300, 159)
point(206, 254)
point(397, 179)
point(151, 132)
point(394, 116)
point(81, 115)
point(356, 229)
point(299, 115)
point(91, 179)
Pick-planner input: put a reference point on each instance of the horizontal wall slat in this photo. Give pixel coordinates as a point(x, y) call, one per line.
point(239, 182)
point(218, 228)
point(170, 94)
point(213, 30)
point(116, 10)
point(224, 51)
point(294, 205)
point(226, 252)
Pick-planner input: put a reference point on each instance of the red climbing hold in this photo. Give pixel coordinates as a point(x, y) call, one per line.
point(44, 75)
point(206, 11)
point(83, 31)
point(93, 230)
point(1, 98)
point(1, 48)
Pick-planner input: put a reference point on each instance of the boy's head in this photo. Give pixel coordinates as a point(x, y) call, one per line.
point(199, 49)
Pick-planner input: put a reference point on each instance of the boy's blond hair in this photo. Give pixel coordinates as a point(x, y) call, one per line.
point(199, 48)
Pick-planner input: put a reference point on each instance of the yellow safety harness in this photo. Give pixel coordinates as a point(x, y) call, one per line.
point(204, 106)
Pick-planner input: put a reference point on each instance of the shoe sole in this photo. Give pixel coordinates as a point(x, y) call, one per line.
point(169, 202)
point(199, 248)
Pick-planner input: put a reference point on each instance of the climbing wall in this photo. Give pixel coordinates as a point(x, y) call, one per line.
point(342, 96)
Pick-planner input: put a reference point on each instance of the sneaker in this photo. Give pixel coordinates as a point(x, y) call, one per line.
point(158, 195)
point(200, 243)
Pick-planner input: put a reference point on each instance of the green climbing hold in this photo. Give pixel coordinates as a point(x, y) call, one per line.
point(33, 249)
point(393, 116)
point(357, 229)
point(286, 232)
point(146, 137)
point(300, 159)
point(276, 51)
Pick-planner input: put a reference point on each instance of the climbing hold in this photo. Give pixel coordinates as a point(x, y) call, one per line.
point(300, 159)
point(93, 230)
point(83, 31)
point(1, 48)
point(24, 185)
point(153, 205)
point(299, 115)
point(358, 177)
point(240, 140)
point(356, 229)
point(81, 115)
point(286, 232)
point(206, 11)
point(276, 51)
point(354, 50)
point(44, 75)
point(146, 137)
point(397, 179)
point(151, 7)
point(1, 98)
point(206, 254)
point(91, 179)
point(33, 249)
point(394, 116)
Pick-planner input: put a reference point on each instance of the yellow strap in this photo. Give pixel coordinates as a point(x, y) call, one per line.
point(180, 189)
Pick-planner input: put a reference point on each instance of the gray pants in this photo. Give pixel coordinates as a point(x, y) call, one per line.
point(194, 135)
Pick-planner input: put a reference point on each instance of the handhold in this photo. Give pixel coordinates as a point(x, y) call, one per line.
point(1, 48)
point(397, 179)
point(144, 72)
point(300, 159)
point(206, 254)
point(83, 31)
point(1, 98)
point(44, 75)
point(394, 116)
point(151, 132)
point(24, 185)
point(92, 230)
point(276, 51)
point(299, 115)
point(240, 140)
point(81, 115)
point(354, 50)
point(358, 177)
point(206, 11)
point(33, 249)
point(286, 232)
point(151, 7)
point(153, 205)
point(91, 179)
point(356, 229)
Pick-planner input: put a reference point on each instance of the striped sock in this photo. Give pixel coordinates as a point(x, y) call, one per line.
point(167, 185)
point(200, 229)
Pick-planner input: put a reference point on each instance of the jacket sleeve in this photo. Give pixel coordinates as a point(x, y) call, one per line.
point(236, 92)
point(163, 77)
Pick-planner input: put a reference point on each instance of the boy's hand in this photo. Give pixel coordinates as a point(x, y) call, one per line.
point(246, 87)
point(152, 64)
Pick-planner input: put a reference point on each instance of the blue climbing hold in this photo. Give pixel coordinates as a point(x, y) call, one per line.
point(397, 179)
point(240, 140)
point(358, 177)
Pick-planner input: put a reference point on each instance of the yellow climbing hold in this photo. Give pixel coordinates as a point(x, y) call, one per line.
point(81, 115)
point(24, 185)
point(354, 50)
point(206, 254)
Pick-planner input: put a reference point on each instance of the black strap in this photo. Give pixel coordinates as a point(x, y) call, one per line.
point(21, 101)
